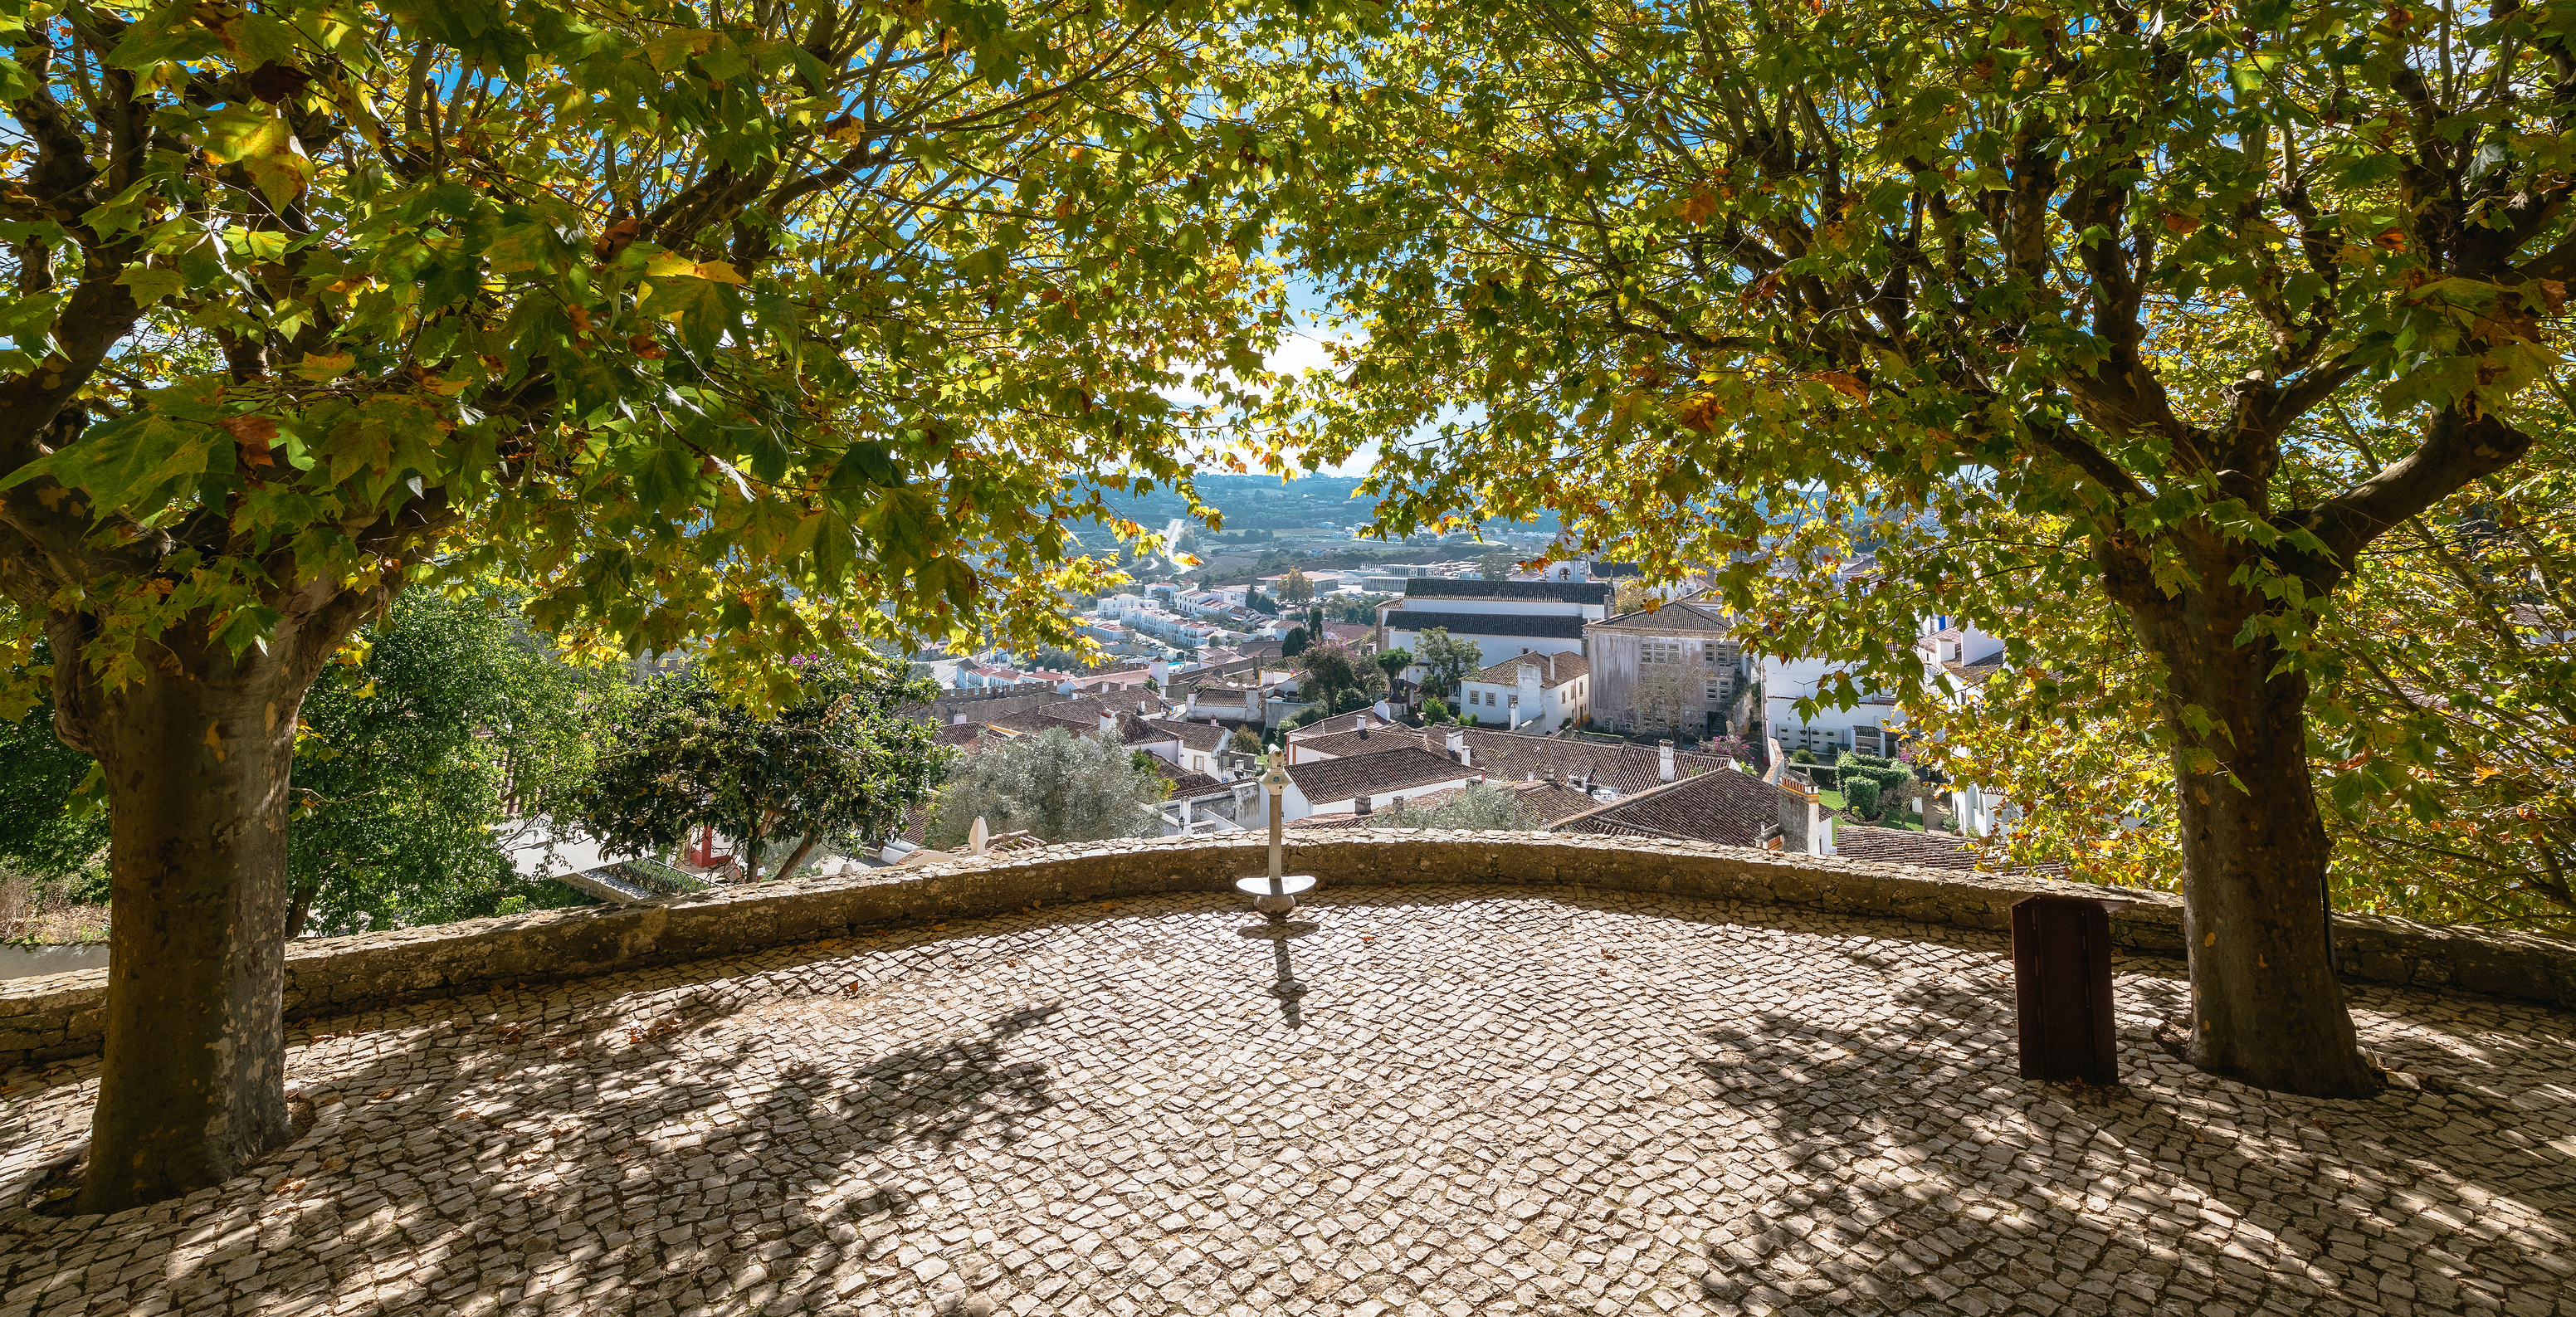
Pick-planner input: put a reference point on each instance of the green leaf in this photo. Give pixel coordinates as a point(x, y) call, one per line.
point(151, 283)
point(260, 141)
point(128, 464)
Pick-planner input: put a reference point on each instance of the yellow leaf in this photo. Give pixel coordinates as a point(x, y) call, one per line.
point(320, 366)
point(672, 265)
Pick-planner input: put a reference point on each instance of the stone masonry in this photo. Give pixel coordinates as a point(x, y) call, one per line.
point(1492, 1100)
point(62, 1015)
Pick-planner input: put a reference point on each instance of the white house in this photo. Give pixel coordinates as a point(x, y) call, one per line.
point(1535, 692)
point(1194, 745)
point(1874, 726)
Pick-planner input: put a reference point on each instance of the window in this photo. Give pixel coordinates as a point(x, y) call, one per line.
point(1660, 651)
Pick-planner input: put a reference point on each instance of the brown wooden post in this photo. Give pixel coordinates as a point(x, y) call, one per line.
point(2062, 990)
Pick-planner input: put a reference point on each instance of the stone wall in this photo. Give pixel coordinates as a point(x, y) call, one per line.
point(60, 1015)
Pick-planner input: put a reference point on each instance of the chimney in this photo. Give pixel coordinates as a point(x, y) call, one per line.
point(1664, 753)
point(1360, 724)
point(1528, 694)
point(1108, 723)
point(1458, 747)
point(1803, 828)
point(1361, 807)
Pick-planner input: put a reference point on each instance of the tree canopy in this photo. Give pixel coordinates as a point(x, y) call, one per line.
point(1868, 311)
point(836, 765)
point(1055, 786)
point(749, 331)
point(418, 753)
point(1445, 662)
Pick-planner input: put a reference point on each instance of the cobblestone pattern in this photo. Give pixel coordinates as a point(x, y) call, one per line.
point(60, 1015)
point(1491, 1102)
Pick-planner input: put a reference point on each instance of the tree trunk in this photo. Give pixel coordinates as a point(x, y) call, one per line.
point(795, 858)
point(196, 753)
point(2267, 1009)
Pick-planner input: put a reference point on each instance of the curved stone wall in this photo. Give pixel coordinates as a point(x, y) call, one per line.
point(60, 1015)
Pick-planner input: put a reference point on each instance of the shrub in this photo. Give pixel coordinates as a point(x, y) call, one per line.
point(1435, 710)
point(1861, 794)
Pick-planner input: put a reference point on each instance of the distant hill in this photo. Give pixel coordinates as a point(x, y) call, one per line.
point(1258, 503)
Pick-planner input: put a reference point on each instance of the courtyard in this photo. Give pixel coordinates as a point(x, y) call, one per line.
point(1486, 1102)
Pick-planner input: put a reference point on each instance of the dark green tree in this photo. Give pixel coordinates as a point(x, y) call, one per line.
point(1329, 669)
point(417, 752)
point(836, 764)
point(1445, 662)
point(50, 828)
point(1294, 643)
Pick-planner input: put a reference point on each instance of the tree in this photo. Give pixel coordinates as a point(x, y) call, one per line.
point(1294, 643)
point(1666, 696)
point(1055, 786)
point(1245, 741)
point(50, 827)
point(1479, 805)
point(1294, 588)
point(1355, 607)
point(1634, 596)
point(727, 316)
point(1330, 668)
point(1861, 794)
point(1494, 565)
point(1257, 602)
point(1876, 269)
point(1435, 710)
point(421, 746)
point(1393, 662)
point(836, 764)
point(1445, 662)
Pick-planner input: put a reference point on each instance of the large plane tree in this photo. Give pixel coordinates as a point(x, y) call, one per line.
point(750, 330)
point(2029, 302)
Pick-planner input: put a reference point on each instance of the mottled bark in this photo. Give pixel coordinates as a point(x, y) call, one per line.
point(196, 754)
point(2266, 1006)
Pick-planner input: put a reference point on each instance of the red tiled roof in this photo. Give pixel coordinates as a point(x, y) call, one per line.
point(1369, 775)
point(1726, 807)
point(1554, 670)
point(1195, 735)
point(1678, 618)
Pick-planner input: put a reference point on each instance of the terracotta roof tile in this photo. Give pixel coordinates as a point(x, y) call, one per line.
point(1678, 618)
point(1554, 670)
point(1622, 766)
point(1195, 735)
point(1369, 775)
point(1727, 807)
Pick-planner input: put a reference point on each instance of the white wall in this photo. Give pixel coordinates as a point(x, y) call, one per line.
point(1787, 681)
point(1494, 649)
point(1511, 607)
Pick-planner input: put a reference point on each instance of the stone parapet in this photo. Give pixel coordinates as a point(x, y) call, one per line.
point(61, 1015)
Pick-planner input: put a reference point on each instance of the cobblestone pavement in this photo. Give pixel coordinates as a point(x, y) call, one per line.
point(1492, 1104)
